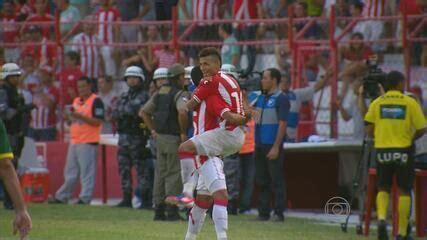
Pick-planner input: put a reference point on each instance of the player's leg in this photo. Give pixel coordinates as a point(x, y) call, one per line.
point(405, 174)
point(215, 142)
point(384, 181)
point(198, 212)
point(189, 182)
point(213, 175)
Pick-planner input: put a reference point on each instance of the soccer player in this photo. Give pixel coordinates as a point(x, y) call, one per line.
point(218, 99)
point(22, 222)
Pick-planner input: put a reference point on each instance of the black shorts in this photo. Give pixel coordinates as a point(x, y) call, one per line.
point(395, 162)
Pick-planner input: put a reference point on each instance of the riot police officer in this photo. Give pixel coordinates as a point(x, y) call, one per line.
point(132, 135)
point(12, 111)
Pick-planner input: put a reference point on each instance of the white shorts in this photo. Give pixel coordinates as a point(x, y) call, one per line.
point(211, 177)
point(219, 142)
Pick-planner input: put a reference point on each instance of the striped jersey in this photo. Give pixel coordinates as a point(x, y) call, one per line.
point(87, 47)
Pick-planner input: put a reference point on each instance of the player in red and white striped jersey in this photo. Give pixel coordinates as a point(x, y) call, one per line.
point(217, 96)
point(205, 9)
point(108, 32)
point(86, 44)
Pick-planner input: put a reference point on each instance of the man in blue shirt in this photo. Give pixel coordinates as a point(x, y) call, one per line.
point(270, 130)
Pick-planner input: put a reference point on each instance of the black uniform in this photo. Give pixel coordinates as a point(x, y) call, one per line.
point(132, 141)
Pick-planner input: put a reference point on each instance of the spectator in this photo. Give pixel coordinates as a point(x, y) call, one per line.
point(300, 11)
point(109, 98)
point(356, 51)
point(85, 117)
point(39, 46)
point(40, 17)
point(243, 10)
point(202, 31)
point(68, 77)
point(108, 33)
point(355, 111)
point(45, 99)
point(230, 53)
point(70, 15)
point(82, 5)
point(166, 56)
point(283, 57)
point(86, 45)
point(275, 8)
point(296, 98)
point(370, 29)
point(167, 125)
point(23, 10)
point(314, 7)
point(270, 131)
point(29, 76)
point(10, 31)
point(133, 10)
point(145, 55)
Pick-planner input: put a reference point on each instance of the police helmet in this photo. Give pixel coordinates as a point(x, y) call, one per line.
point(134, 71)
point(10, 69)
point(188, 72)
point(230, 69)
point(160, 73)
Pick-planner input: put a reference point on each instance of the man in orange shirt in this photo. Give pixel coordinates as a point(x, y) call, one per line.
point(85, 119)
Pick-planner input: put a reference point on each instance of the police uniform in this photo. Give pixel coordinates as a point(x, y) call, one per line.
point(395, 116)
point(164, 107)
point(132, 140)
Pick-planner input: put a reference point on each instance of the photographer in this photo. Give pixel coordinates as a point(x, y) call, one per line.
point(391, 120)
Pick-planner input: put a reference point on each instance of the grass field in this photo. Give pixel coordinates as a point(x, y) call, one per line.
point(99, 222)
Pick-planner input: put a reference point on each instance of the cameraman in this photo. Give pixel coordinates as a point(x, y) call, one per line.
point(391, 120)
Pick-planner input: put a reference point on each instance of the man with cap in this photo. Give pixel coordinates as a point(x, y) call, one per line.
point(132, 134)
point(165, 114)
point(12, 112)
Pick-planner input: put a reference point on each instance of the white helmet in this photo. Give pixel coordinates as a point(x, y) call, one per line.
point(9, 69)
point(230, 69)
point(188, 72)
point(134, 71)
point(160, 73)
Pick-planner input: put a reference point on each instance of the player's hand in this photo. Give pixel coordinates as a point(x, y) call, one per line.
point(22, 224)
point(273, 154)
point(256, 115)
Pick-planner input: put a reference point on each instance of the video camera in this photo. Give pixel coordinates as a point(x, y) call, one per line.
point(375, 77)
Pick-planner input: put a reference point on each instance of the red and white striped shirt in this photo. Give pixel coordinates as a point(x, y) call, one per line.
point(205, 118)
point(44, 116)
point(205, 9)
point(165, 58)
point(373, 8)
point(106, 18)
point(227, 89)
point(86, 46)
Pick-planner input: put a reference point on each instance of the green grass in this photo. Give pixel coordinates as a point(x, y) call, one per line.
point(100, 222)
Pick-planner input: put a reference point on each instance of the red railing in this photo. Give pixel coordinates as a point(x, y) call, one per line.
point(295, 42)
